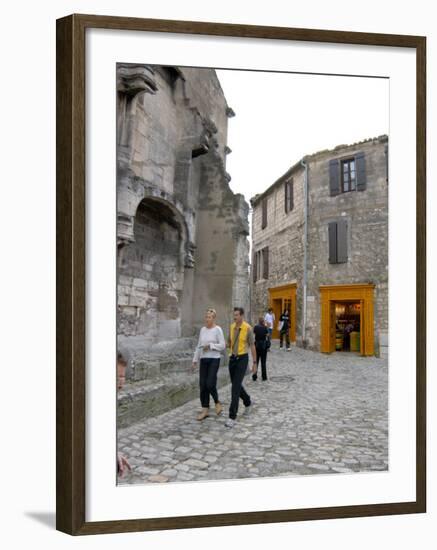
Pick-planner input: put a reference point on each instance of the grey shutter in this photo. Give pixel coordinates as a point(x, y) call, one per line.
point(332, 234)
point(266, 262)
point(334, 177)
point(341, 241)
point(286, 196)
point(254, 266)
point(360, 167)
point(264, 214)
point(291, 195)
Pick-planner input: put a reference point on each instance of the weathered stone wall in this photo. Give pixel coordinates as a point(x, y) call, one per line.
point(221, 275)
point(284, 237)
point(366, 213)
point(182, 232)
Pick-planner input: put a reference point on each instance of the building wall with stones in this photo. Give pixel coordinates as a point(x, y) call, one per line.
point(283, 235)
point(366, 215)
point(181, 231)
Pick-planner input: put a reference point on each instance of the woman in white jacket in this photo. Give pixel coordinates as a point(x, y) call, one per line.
point(209, 348)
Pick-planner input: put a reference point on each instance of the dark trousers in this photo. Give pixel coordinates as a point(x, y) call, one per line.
point(261, 355)
point(208, 380)
point(287, 338)
point(237, 370)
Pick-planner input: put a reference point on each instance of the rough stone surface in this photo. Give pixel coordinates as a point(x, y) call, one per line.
point(315, 415)
point(366, 213)
point(181, 231)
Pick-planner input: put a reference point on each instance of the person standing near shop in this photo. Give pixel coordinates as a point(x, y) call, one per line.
point(269, 319)
point(209, 348)
point(262, 344)
point(241, 338)
point(284, 331)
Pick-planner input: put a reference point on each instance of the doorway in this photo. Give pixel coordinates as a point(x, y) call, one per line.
point(347, 326)
point(281, 298)
point(347, 322)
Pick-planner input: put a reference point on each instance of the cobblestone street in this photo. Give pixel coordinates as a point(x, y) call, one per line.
point(316, 414)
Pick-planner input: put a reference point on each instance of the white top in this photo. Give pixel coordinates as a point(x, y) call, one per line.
point(214, 339)
point(269, 318)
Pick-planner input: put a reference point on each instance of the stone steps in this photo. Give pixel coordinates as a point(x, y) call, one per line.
point(151, 397)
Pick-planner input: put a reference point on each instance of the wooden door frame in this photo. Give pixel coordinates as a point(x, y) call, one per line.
point(362, 293)
point(288, 291)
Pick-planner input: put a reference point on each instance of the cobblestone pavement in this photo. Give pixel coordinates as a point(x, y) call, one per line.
point(317, 414)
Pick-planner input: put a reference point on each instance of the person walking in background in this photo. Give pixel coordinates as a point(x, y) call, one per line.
point(262, 344)
point(269, 319)
point(241, 338)
point(209, 348)
point(285, 329)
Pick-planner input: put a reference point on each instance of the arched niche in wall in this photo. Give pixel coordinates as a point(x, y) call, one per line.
point(151, 272)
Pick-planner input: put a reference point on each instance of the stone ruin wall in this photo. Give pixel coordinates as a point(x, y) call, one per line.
point(182, 233)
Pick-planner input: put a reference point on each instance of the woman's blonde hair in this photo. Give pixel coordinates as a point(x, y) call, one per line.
point(212, 311)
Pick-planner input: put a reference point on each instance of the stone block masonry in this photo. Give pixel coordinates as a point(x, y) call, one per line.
point(360, 207)
point(181, 234)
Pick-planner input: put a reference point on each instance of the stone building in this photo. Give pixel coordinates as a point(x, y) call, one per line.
point(320, 248)
point(181, 231)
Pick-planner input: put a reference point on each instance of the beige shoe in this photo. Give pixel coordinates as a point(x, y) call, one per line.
point(218, 408)
point(203, 414)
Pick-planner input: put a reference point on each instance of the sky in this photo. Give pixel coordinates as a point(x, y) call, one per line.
point(280, 117)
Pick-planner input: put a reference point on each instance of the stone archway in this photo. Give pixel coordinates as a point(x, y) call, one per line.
point(151, 273)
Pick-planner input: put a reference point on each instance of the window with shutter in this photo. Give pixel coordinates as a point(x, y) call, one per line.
point(286, 196)
point(289, 196)
point(337, 240)
point(360, 162)
point(264, 214)
point(348, 175)
point(265, 255)
point(255, 267)
point(334, 177)
point(332, 239)
point(341, 241)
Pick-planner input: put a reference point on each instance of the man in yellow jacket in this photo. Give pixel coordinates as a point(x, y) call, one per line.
point(241, 338)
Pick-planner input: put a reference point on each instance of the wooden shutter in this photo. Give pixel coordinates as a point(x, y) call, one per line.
point(341, 241)
point(264, 213)
point(266, 262)
point(332, 238)
point(360, 167)
point(286, 196)
point(334, 177)
point(255, 266)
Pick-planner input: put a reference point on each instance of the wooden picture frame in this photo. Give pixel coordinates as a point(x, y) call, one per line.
point(71, 248)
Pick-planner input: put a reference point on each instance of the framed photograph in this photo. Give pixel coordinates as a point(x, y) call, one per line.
point(241, 323)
